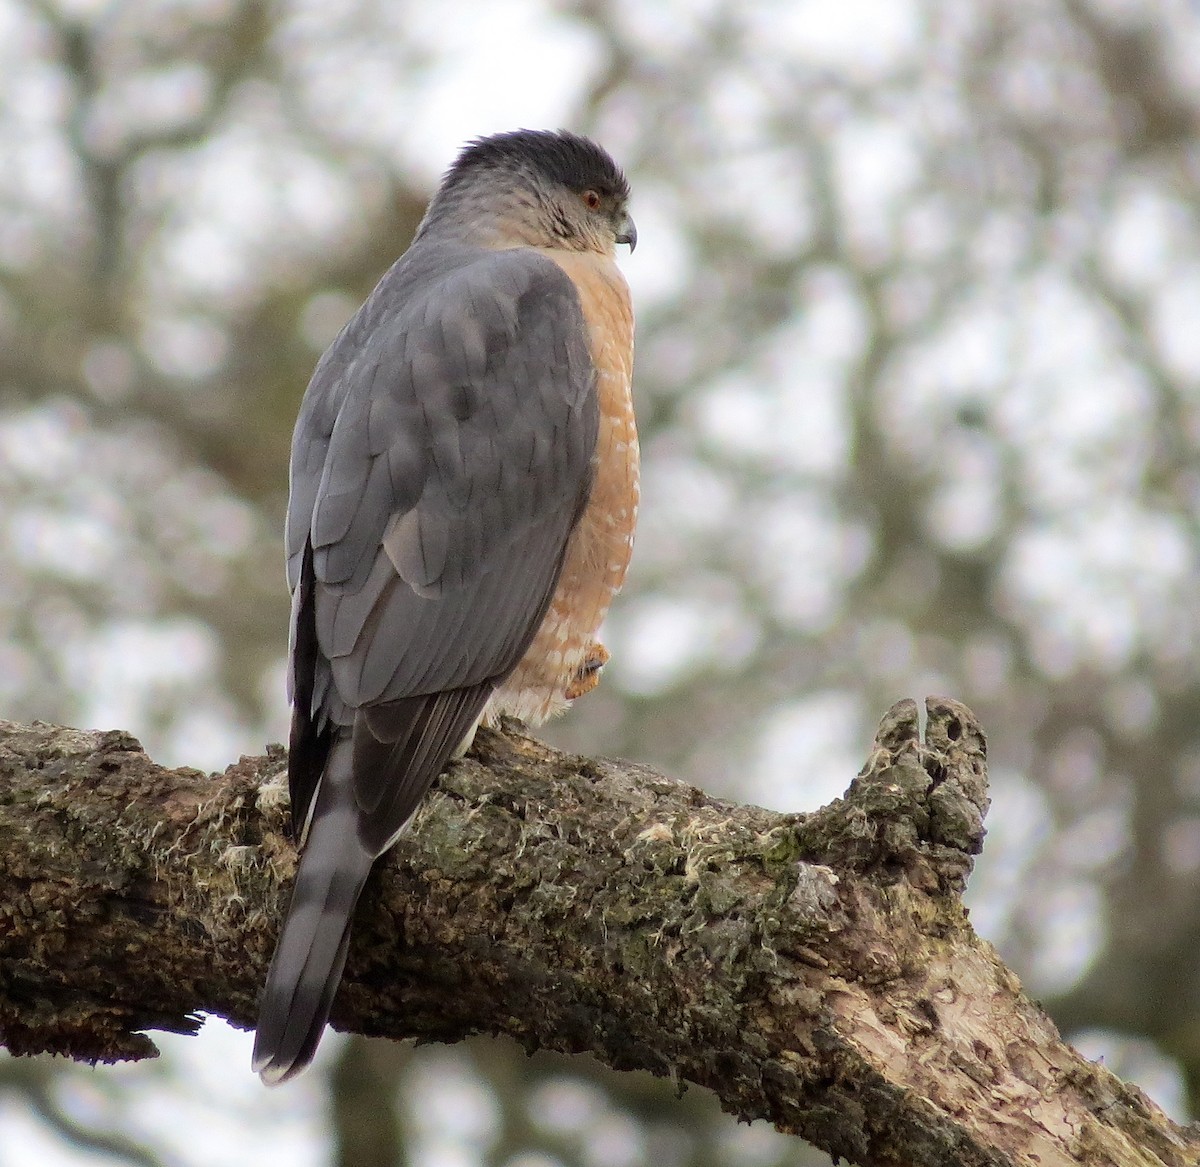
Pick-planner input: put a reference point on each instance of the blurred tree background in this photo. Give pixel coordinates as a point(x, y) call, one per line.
point(919, 384)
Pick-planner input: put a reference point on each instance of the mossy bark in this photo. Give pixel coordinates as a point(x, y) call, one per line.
point(816, 970)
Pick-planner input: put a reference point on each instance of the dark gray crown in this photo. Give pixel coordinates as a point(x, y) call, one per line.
point(561, 157)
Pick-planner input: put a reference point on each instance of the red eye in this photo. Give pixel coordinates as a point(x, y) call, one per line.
point(591, 200)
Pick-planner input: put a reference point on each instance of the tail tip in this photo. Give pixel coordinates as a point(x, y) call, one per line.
point(273, 1072)
point(272, 1069)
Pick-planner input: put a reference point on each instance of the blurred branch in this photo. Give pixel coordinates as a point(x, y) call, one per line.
point(365, 1118)
point(815, 970)
point(38, 1083)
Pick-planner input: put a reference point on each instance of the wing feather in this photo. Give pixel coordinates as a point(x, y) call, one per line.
point(442, 457)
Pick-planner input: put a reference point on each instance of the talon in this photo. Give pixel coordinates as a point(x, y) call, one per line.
point(587, 676)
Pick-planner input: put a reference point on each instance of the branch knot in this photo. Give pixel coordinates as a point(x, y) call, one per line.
point(916, 808)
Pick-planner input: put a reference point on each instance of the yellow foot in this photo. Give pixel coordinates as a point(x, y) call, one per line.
point(588, 675)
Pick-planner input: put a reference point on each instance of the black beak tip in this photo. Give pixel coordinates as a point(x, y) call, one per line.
point(629, 234)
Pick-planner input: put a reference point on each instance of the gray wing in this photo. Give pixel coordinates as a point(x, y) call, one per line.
point(442, 457)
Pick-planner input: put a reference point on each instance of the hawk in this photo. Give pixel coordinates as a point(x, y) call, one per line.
point(464, 491)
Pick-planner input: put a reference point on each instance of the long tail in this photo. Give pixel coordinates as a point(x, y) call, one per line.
point(311, 953)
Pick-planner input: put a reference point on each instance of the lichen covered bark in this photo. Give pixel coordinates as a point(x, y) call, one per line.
point(816, 970)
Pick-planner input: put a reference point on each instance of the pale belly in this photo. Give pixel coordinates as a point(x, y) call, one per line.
point(563, 660)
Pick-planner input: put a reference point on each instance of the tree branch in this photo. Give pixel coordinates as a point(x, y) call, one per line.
point(816, 970)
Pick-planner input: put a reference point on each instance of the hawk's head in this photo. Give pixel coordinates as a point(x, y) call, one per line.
point(538, 188)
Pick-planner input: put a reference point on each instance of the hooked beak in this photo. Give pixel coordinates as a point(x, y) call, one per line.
point(628, 234)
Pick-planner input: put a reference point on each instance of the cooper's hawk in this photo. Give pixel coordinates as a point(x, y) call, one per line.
point(464, 488)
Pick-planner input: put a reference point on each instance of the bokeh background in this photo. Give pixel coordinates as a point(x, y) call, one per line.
point(919, 383)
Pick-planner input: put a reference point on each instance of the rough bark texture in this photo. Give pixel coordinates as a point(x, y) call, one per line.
point(816, 970)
